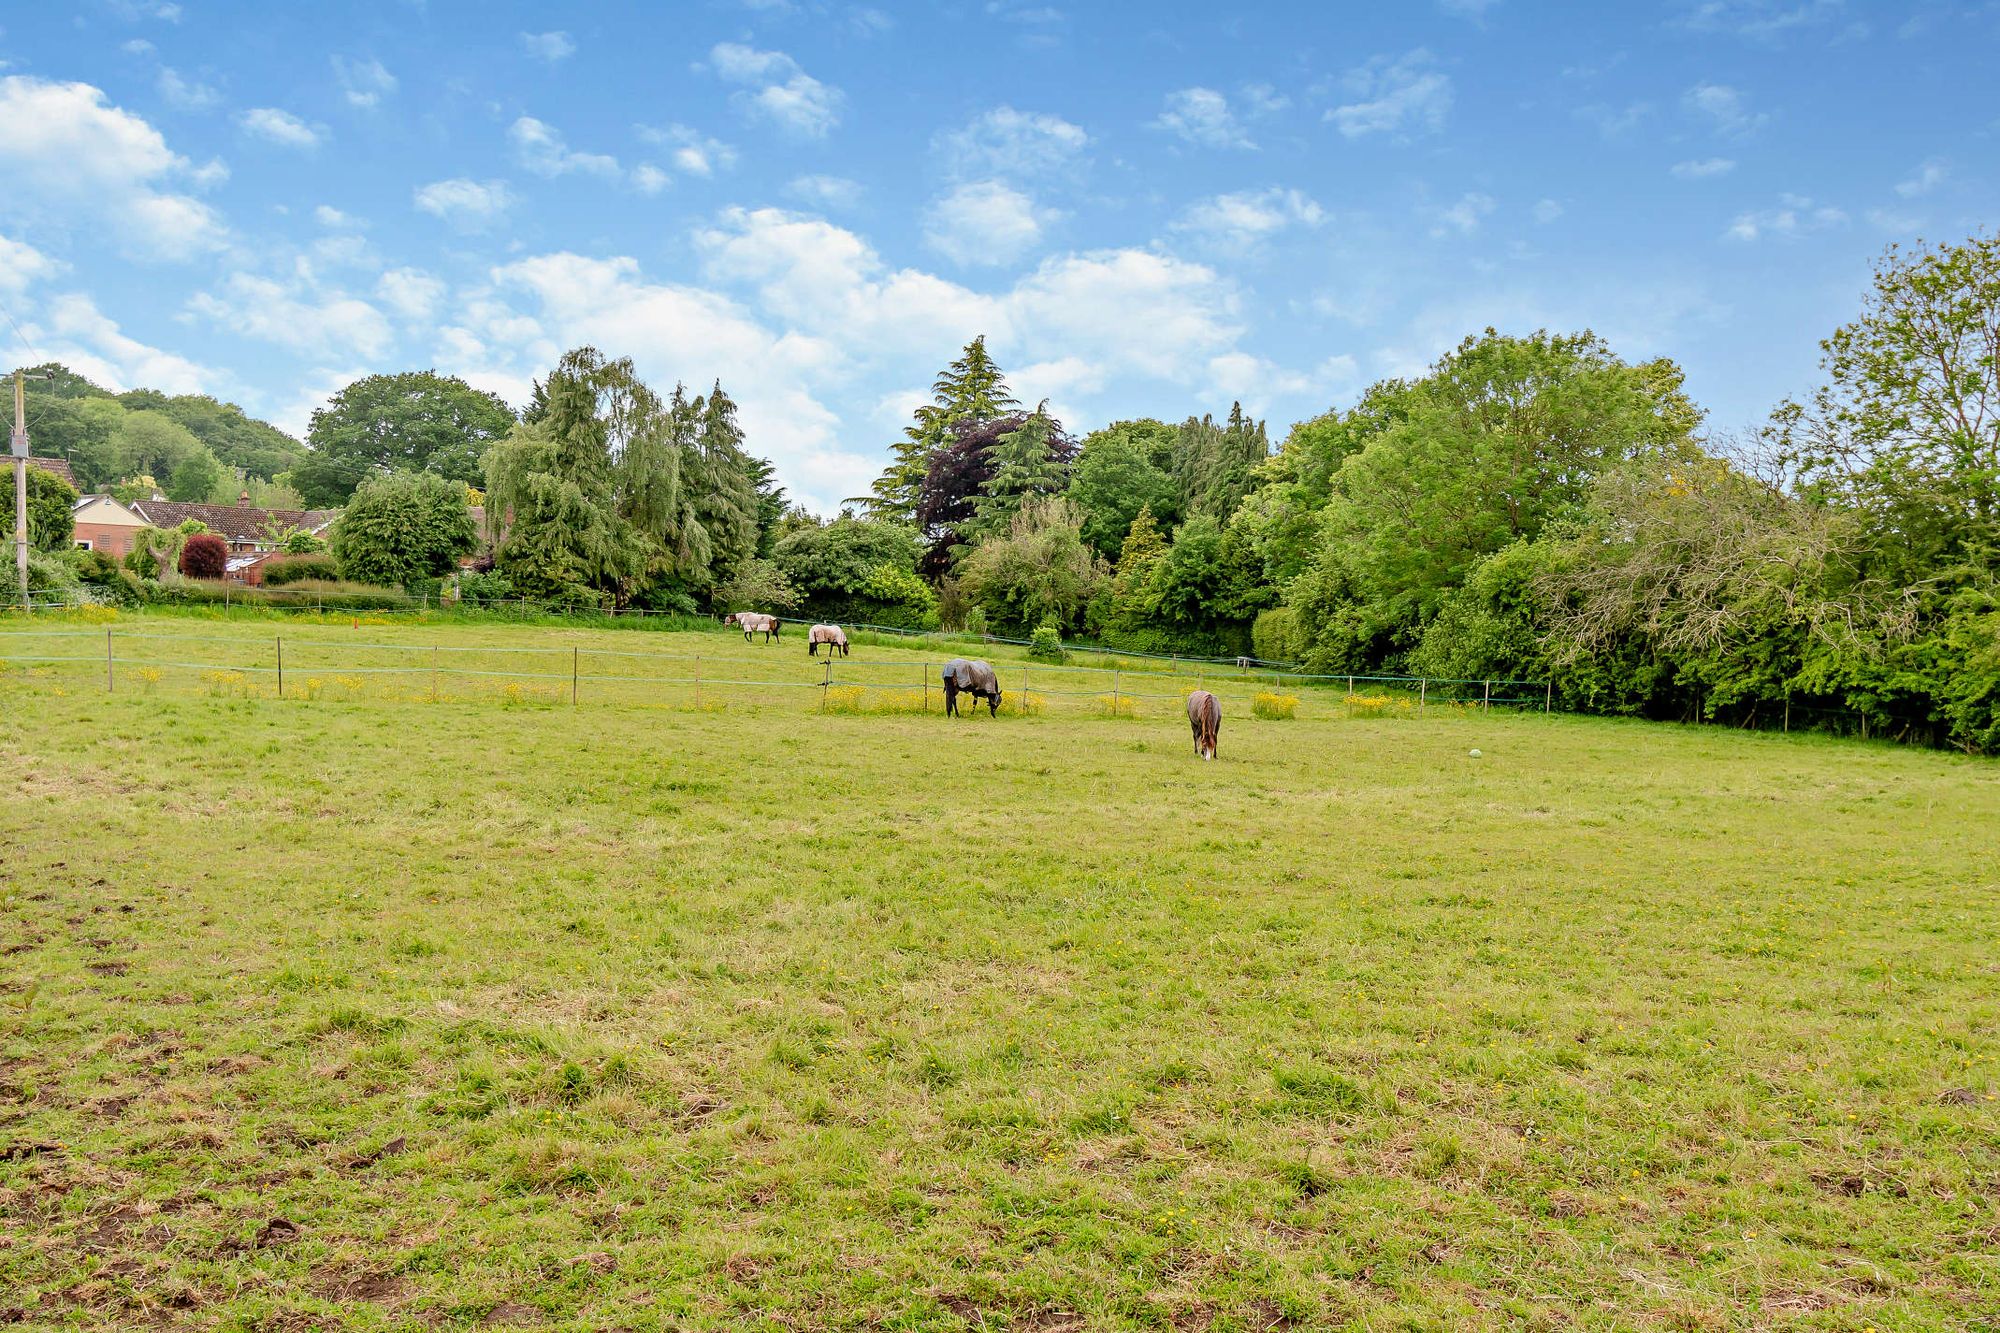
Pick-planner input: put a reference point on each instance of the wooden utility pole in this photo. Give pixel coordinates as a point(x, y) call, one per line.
point(20, 453)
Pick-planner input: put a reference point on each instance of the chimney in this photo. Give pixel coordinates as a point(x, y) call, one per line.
point(243, 500)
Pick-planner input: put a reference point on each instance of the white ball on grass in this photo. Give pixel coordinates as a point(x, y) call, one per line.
point(1475, 754)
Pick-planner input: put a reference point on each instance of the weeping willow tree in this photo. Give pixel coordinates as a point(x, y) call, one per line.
point(607, 491)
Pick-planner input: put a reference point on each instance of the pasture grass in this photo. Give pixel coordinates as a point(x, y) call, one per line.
point(373, 1012)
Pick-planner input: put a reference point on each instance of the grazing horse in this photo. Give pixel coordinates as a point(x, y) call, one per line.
point(830, 635)
point(1205, 717)
point(754, 622)
point(973, 678)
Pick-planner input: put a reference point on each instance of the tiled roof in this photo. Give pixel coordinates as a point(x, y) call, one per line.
point(59, 466)
point(236, 523)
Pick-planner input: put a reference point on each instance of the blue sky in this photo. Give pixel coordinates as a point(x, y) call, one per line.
point(1150, 209)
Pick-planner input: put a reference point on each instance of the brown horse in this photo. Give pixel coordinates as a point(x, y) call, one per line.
point(1205, 717)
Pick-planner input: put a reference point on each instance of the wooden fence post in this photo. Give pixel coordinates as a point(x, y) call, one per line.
point(924, 669)
point(434, 673)
point(1486, 701)
point(281, 666)
point(1423, 694)
point(1548, 695)
point(107, 660)
point(1788, 715)
point(1114, 686)
point(697, 680)
point(825, 680)
point(575, 656)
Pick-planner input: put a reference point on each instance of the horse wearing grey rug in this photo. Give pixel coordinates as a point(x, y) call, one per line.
point(973, 678)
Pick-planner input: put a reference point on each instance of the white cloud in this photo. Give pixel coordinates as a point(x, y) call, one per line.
point(70, 157)
point(329, 216)
point(287, 315)
point(649, 179)
point(778, 90)
point(22, 264)
point(410, 292)
point(465, 203)
point(1758, 20)
point(539, 147)
point(826, 191)
point(1725, 108)
point(1202, 116)
point(678, 332)
point(1239, 221)
point(1701, 168)
point(1614, 122)
point(692, 152)
point(1927, 178)
point(1463, 217)
point(1547, 211)
point(280, 127)
point(1406, 95)
point(1255, 381)
point(184, 94)
point(90, 343)
point(1794, 216)
point(548, 46)
point(132, 11)
point(364, 83)
point(1006, 142)
point(983, 222)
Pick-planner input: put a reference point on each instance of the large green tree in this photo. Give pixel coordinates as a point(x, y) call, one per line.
point(1504, 435)
point(412, 421)
point(969, 392)
point(197, 479)
point(51, 511)
point(1040, 570)
point(1119, 472)
point(1907, 426)
point(405, 526)
point(1030, 462)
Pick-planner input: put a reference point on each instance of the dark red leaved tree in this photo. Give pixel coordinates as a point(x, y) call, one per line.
point(205, 556)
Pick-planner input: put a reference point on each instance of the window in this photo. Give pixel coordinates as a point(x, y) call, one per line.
point(82, 543)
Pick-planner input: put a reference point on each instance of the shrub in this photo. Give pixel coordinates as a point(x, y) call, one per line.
point(1276, 707)
point(1045, 645)
point(204, 556)
point(292, 569)
point(975, 621)
point(1117, 705)
point(1272, 635)
point(476, 588)
point(95, 567)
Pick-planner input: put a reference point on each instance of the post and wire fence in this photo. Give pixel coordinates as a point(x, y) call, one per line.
point(303, 663)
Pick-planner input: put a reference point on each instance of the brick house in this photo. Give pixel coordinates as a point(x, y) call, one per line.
point(103, 524)
point(246, 528)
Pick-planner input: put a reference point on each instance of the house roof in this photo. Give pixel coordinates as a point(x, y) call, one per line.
point(84, 502)
point(237, 523)
point(59, 466)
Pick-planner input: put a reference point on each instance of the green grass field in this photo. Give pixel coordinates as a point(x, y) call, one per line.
point(361, 1010)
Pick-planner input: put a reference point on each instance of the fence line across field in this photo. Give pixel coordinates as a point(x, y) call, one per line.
point(308, 653)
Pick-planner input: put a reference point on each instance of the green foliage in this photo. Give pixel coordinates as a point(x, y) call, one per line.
point(969, 392)
point(293, 569)
point(1274, 635)
point(757, 585)
point(301, 542)
point(415, 421)
point(1040, 571)
point(1213, 465)
point(1027, 463)
point(839, 559)
point(403, 527)
point(106, 437)
point(197, 478)
point(1045, 644)
point(485, 586)
point(203, 556)
point(1117, 475)
point(51, 520)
